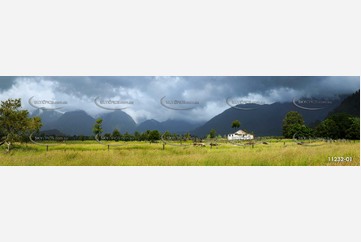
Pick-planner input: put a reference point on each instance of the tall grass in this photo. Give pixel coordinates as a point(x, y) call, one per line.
point(145, 154)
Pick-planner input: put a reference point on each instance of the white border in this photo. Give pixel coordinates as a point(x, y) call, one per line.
point(180, 203)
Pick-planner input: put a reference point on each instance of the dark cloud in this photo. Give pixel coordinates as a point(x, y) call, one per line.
point(235, 85)
point(224, 86)
point(146, 92)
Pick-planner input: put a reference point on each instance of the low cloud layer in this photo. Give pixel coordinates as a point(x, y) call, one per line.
point(145, 93)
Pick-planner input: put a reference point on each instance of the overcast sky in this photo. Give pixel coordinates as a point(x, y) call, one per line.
point(208, 94)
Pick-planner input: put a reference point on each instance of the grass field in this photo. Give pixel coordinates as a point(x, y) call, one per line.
point(88, 153)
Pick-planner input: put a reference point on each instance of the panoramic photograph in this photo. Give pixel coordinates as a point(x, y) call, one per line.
point(179, 121)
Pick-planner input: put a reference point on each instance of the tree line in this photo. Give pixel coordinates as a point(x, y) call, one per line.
point(149, 135)
point(335, 126)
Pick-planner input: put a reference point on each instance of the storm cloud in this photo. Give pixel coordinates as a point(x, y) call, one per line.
point(210, 93)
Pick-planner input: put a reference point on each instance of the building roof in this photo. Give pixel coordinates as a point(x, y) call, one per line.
point(240, 132)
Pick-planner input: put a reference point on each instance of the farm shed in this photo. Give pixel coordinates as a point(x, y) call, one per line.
point(240, 135)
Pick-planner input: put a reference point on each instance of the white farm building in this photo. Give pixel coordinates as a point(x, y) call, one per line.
point(240, 135)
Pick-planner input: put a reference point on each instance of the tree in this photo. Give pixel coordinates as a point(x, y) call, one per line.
point(15, 123)
point(292, 123)
point(137, 136)
point(154, 135)
point(97, 129)
point(236, 124)
point(303, 131)
point(327, 129)
point(107, 136)
point(187, 136)
point(167, 135)
point(343, 122)
point(145, 135)
point(127, 137)
point(175, 136)
point(116, 135)
point(212, 133)
point(81, 137)
point(353, 132)
point(339, 126)
point(34, 125)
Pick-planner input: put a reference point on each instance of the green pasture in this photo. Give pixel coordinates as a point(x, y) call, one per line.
point(134, 153)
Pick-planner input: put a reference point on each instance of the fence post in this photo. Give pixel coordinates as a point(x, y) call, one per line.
point(47, 147)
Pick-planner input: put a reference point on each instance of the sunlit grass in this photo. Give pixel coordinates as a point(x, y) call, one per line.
point(89, 153)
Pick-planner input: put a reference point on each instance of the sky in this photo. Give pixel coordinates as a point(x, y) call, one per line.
point(154, 97)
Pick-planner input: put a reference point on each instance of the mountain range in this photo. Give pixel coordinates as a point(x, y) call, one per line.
point(266, 120)
point(261, 120)
point(350, 105)
point(80, 123)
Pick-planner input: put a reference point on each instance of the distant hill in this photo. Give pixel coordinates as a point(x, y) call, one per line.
point(73, 123)
point(149, 125)
point(47, 116)
point(179, 126)
point(350, 105)
point(52, 132)
point(81, 123)
point(118, 120)
point(264, 120)
point(173, 126)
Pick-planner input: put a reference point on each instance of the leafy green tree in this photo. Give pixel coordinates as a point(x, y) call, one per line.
point(212, 133)
point(97, 129)
point(167, 135)
point(16, 123)
point(187, 136)
point(343, 122)
point(145, 135)
point(154, 135)
point(82, 137)
point(339, 126)
point(127, 137)
point(137, 135)
point(327, 129)
point(107, 136)
point(34, 125)
point(292, 123)
point(116, 135)
point(175, 136)
point(353, 132)
point(236, 124)
point(303, 131)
